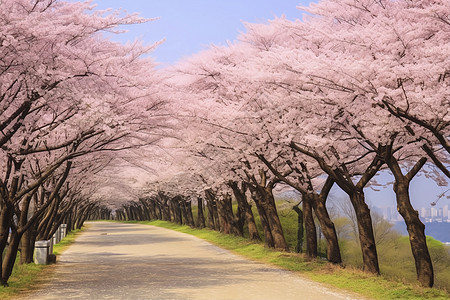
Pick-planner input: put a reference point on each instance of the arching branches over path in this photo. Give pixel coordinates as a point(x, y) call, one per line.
point(302, 101)
point(67, 94)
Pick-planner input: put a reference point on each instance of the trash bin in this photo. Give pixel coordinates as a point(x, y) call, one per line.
point(50, 249)
point(58, 234)
point(63, 230)
point(41, 250)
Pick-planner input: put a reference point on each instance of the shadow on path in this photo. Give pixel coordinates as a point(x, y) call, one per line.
point(132, 261)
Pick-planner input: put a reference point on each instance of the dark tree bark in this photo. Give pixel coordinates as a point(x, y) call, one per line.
point(209, 206)
point(146, 210)
point(10, 255)
point(414, 226)
point(186, 209)
point(274, 222)
point(437, 130)
point(365, 230)
point(6, 213)
point(213, 216)
point(327, 226)
point(262, 195)
point(200, 215)
point(138, 211)
point(343, 178)
point(158, 209)
point(175, 204)
point(151, 208)
point(225, 226)
point(165, 210)
point(27, 245)
point(18, 230)
point(300, 229)
point(268, 238)
point(316, 201)
point(310, 227)
point(241, 198)
point(24, 223)
point(228, 220)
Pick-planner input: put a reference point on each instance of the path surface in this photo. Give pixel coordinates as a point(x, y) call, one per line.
point(130, 261)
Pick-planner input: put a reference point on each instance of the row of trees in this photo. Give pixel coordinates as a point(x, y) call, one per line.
point(354, 88)
point(68, 99)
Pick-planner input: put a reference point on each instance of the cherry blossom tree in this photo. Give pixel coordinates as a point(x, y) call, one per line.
point(333, 68)
point(412, 47)
point(222, 119)
point(65, 92)
point(380, 46)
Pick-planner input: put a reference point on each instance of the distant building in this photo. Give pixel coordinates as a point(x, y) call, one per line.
point(434, 212)
point(424, 213)
point(427, 214)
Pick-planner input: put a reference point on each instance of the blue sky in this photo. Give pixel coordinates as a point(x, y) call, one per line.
point(189, 26)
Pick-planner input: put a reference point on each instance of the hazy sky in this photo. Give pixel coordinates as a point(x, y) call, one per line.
point(189, 26)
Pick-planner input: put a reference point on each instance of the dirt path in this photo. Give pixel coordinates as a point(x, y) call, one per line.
point(130, 261)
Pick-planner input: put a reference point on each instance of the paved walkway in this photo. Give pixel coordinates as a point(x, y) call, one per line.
point(130, 261)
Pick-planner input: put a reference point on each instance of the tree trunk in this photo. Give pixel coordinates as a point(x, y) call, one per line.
point(84, 216)
point(268, 238)
point(27, 245)
point(415, 227)
point(139, 212)
point(274, 221)
point(165, 209)
point(229, 221)
point(212, 210)
point(344, 179)
point(216, 215)
point(200, 215)
point(6, 213)
point(328, 229)
point(241, 198)
point(299, 246)
point(365, 232)
point(158, 210)
point(225, 226)
point(152, 209)
point(209, 206)
point(317, 200)
point(10, 256)
point(416, 232)
point(310, 227)
point(146, 210)
point(186, 208)
point(176, 210)
point(16, 236)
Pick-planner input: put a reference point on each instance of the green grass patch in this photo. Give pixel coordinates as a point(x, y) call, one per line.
point(67, 241)
point(27, 277)
point(24, 278)
point(348, 279)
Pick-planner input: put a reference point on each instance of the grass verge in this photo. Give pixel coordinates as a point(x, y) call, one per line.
point(27, 277)
point(350, 280)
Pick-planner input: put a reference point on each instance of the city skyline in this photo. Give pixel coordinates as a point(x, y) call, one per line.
point(427, 214)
